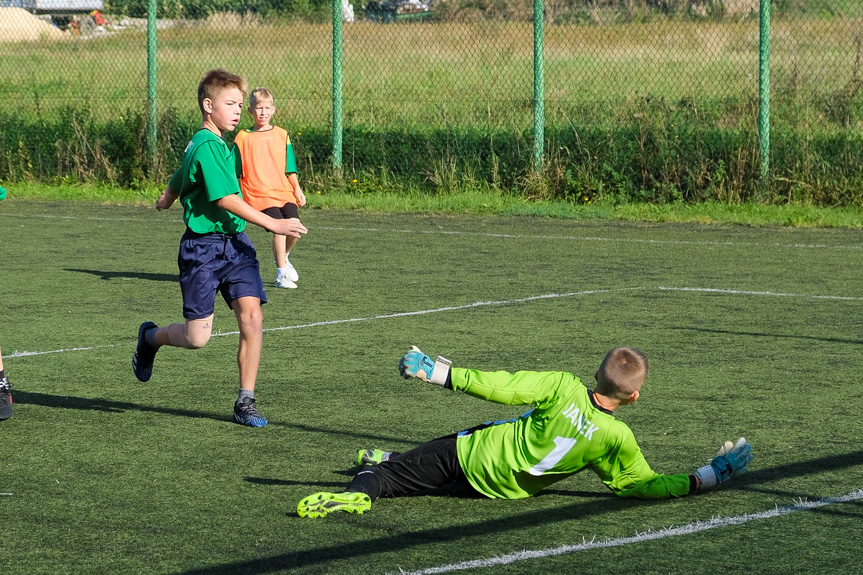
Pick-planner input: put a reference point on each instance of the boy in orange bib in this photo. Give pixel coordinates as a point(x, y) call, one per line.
point(269, 178)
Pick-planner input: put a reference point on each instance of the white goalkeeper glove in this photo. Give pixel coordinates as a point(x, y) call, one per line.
point(730, 460)
point(417, 364)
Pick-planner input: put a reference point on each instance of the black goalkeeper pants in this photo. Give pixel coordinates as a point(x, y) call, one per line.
point(432, 464)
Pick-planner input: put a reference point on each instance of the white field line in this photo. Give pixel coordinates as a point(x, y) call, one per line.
point(354, 319)
point(17, 354)
point(476, 234)
point(448, 308)
point(767, 293)
point(650, 535)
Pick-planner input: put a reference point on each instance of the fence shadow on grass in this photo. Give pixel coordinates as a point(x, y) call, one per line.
point(454, 490)
point(111, 406)
point(776, 335)
point(402, 541)
point(757, 477)
point(104, 405)
point(290, 483)
point(597, 505)
point(108, 275)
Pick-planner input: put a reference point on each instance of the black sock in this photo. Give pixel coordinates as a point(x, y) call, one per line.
point(150, 337)
point(366, 481)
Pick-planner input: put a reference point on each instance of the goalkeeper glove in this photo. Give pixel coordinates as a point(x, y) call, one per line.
point(417, 364)
point(730, 460)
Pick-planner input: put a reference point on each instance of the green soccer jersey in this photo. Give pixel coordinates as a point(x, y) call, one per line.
point(564, 433)
point(208, 174)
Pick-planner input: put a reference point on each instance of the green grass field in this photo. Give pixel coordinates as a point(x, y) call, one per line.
point(750, 331)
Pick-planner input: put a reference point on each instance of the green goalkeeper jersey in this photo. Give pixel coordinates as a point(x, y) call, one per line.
point(564, 433)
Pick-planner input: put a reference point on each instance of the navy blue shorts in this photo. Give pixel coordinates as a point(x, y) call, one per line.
point(211, 263)
point(287, 212)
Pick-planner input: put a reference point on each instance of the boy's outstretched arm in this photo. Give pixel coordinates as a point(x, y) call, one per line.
point(167, 199)
point(640, 481)
point(235, 204)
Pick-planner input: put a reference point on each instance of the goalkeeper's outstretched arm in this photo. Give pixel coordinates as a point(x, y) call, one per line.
point(731, 460)
point(518, 388)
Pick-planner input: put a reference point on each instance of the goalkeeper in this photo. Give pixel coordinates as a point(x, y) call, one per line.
point(570, 428)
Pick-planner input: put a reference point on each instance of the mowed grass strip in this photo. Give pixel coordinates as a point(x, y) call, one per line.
point(110, 475)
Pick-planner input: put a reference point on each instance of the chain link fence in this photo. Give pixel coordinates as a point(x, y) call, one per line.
point(652, 100)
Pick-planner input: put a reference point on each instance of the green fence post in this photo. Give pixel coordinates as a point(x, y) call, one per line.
point(538, 86)
point(151, 86)
point(337, 86)
point(764, 86)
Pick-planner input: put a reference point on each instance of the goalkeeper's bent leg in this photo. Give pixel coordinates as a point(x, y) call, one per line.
point(432, 464)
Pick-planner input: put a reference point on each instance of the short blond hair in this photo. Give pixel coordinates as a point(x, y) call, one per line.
point(216, 81)
point(621, 373)
point(259, 94)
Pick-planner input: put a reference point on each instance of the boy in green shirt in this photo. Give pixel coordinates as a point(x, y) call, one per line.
point(215, 255)
point(570, 428)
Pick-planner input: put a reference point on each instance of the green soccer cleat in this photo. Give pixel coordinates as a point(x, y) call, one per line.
point(372, 456)
point(320, 504)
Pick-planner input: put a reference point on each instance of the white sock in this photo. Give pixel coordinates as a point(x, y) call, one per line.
point(281, 272)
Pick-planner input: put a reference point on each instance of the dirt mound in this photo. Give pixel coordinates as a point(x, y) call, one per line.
point(17, 25)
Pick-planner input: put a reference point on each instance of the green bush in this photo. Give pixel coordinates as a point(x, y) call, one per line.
point(655, 152)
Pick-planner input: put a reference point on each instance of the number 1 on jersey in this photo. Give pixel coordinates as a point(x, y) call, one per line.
point(562, 445)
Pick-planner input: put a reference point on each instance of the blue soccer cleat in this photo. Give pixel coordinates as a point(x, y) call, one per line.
point(246, 413)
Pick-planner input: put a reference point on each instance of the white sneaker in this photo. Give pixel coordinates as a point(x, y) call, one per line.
point(284, 282)
point(290, 271)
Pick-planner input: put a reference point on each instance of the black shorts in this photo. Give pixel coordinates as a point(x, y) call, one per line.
point(210, 263)
point(432, 464)
point(289, 211)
